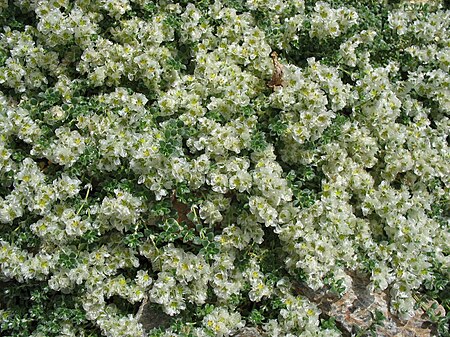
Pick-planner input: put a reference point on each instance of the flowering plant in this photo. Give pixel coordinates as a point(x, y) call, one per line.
point(209, 156)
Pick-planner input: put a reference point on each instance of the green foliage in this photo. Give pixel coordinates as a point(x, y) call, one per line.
point(329, 323)
point(133, 240)
point(336, 286)
point(171, 144)
point(34, 307)
point(258, 142)
point(437, 290)
point(378, 319)
point(88, 239)
point(304, 183)
point(3, 57)
point(277, 127)
point(16, 18)
point(20, 148)
point(256, 317)
point(22, 236)
point(68, 260)
point(334, 131)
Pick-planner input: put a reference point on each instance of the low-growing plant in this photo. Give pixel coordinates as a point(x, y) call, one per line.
point(210, 156)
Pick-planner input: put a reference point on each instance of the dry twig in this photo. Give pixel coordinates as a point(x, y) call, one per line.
point(277, 75)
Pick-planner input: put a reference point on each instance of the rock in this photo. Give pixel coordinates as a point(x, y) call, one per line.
point(358, 308)
point(248, 332)
point(150, 316)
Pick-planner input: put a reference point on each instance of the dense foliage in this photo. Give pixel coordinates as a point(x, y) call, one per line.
point(142, 154)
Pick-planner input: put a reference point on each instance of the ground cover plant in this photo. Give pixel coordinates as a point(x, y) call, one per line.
point(214, 157)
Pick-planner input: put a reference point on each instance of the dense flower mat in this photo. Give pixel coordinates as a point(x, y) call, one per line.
point(162, 152)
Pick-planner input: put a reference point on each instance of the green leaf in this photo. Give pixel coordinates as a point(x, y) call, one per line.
point(256, 317)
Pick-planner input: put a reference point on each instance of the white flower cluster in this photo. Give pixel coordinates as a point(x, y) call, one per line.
point(61, 226)
point(18, 121)
point(287, 18)
point(258, 283)
point(67, 148)
point(222, 323)
point(22, 266)
point(121, 212)
point(210, 210)
point(108, 318)
point(429, 28)
point(305, 98)
point(241, 234)
point(329, 22)
point(28, 62)
point(348, 49)
point(32, 193)
point(182, 276)
point(60, 23)
point(217, 140)
point(299, 317)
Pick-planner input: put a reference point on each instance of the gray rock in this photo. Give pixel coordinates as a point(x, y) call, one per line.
point(151, 316)
point(248, 332)
point(355, 311)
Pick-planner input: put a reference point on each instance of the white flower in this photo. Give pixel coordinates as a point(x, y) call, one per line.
point(143, 279)
point(221, 322)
